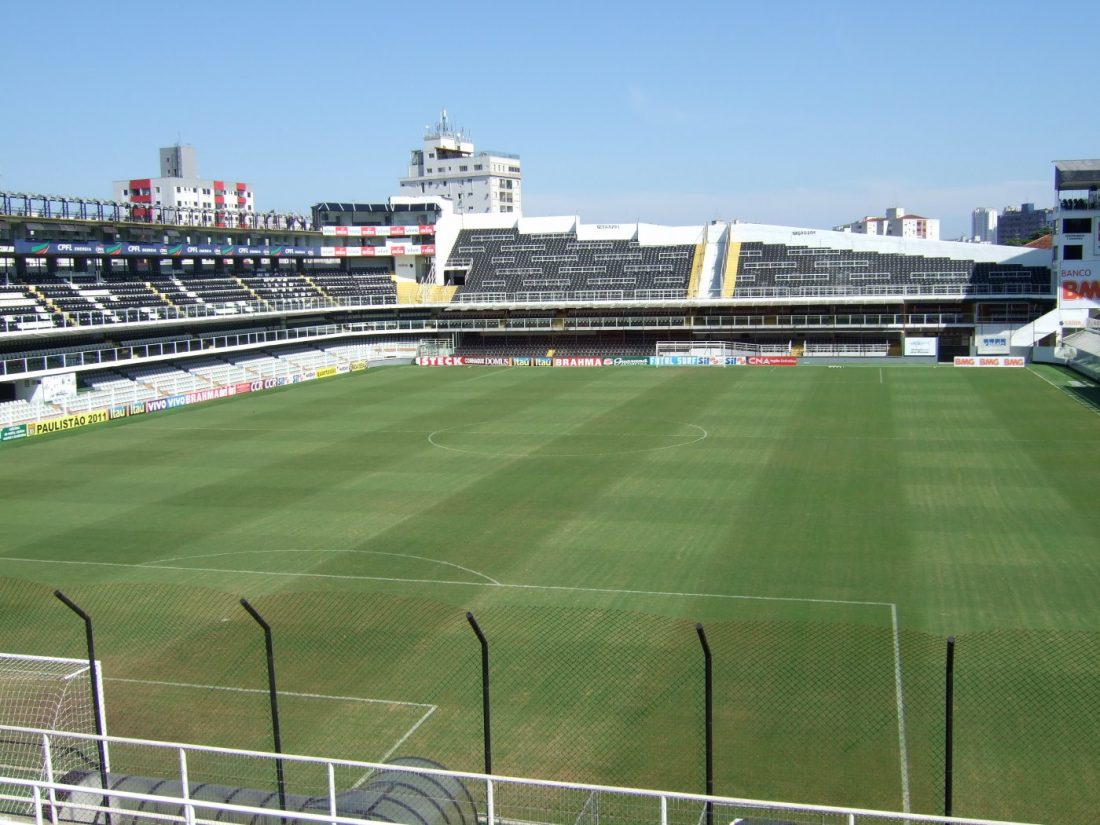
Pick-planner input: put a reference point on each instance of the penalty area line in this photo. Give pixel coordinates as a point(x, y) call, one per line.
point(226, 688)
point(449, 582)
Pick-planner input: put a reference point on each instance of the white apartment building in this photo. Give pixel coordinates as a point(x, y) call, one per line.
point(983, 225)
point(185, 196)
point(447, 167)
point(897, 223)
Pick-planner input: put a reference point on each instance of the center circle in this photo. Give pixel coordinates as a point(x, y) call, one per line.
point(622, 436)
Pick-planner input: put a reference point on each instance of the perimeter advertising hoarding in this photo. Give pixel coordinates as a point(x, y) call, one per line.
point(13, 433)
point(440, 361)
point(773, 361)
point(989, 361)
point(68, 422)
point(922, 346)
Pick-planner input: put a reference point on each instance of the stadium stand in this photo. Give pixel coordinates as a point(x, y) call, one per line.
point(766, 269)
point(548, 265)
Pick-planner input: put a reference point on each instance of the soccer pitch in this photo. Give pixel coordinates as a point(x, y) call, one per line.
point(829, 527)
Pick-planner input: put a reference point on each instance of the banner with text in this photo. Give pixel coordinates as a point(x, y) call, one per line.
point(989, 361)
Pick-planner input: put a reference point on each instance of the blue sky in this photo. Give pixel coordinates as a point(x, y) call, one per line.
point(779, 112)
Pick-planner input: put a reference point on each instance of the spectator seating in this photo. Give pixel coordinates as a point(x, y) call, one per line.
point(766, 268)
point(561, 267)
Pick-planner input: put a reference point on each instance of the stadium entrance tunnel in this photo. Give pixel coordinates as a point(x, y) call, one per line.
point(399, 796)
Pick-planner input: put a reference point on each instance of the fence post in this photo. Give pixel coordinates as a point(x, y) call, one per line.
point(708, 718)
point(949, 726)
point(274, 696)
point(485, 709)
point(97, 699)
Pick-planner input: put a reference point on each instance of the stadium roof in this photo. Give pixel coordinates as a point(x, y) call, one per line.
point(1076, 174)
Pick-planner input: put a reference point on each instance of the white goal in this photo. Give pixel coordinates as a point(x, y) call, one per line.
point(50, 694)
point(719, 348)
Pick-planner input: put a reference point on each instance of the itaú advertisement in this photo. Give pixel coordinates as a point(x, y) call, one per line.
point(1080, 287)
point(989, 361)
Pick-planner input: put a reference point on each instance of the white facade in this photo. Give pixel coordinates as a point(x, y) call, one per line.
point(897, 223)
point(1076, 240)
point(447, 167)
point(213, 202)
point(983, 225)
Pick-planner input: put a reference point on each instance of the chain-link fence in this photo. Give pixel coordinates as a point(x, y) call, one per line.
point(833, 713)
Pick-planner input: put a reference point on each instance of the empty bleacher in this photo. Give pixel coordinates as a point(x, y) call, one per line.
point(558, 266)
point(766, 270)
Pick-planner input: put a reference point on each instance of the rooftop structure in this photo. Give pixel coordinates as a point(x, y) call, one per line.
point(447, 167)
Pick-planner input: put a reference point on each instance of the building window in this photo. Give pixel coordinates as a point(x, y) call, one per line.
point(478, 167)
point(1077, 226)
point(1073, 252)
point(463, 168)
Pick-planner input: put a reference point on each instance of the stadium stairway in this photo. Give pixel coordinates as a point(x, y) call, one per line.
point(152, 288)
point(729, 269)
point(1044, 325)
point(311, 282)
point(255, 295)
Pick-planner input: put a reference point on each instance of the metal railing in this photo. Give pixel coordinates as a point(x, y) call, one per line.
point(206, 344)
point(178, 772)
point(21, 365)
point(65, 207)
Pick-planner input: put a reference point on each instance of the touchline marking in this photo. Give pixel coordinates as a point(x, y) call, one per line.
point(561, 587)
point(1091, 408)
point(903, 750)
point(227, 689)
point(367, 552)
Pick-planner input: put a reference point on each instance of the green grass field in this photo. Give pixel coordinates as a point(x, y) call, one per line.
point(830, 528)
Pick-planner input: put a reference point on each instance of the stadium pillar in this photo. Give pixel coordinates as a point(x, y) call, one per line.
point(97, 697)
point(708, 717)
point(485, 718)
point(949, 725)
point(274, 696)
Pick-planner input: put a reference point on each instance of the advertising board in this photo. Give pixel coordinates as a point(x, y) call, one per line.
point(773, 361)
point(922, 346)
point(440, 361)
point(992, 345)
point(13, 433)
point(989, 361)
point(68, 422)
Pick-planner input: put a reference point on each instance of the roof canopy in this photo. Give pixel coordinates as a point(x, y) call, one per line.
point(1076, 174)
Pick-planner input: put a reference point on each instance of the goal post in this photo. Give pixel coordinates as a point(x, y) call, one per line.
point(52, 694)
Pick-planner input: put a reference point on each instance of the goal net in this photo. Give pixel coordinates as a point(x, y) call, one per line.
point(51, 694)
point(719, 348)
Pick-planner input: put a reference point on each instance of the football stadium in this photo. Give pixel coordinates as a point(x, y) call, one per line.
point(402, 514)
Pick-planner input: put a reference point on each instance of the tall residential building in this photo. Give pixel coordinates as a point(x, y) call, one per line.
point(983, 225)
point(1020, 223)
point(897, 223)
point(447, 167)
point(180, 193)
